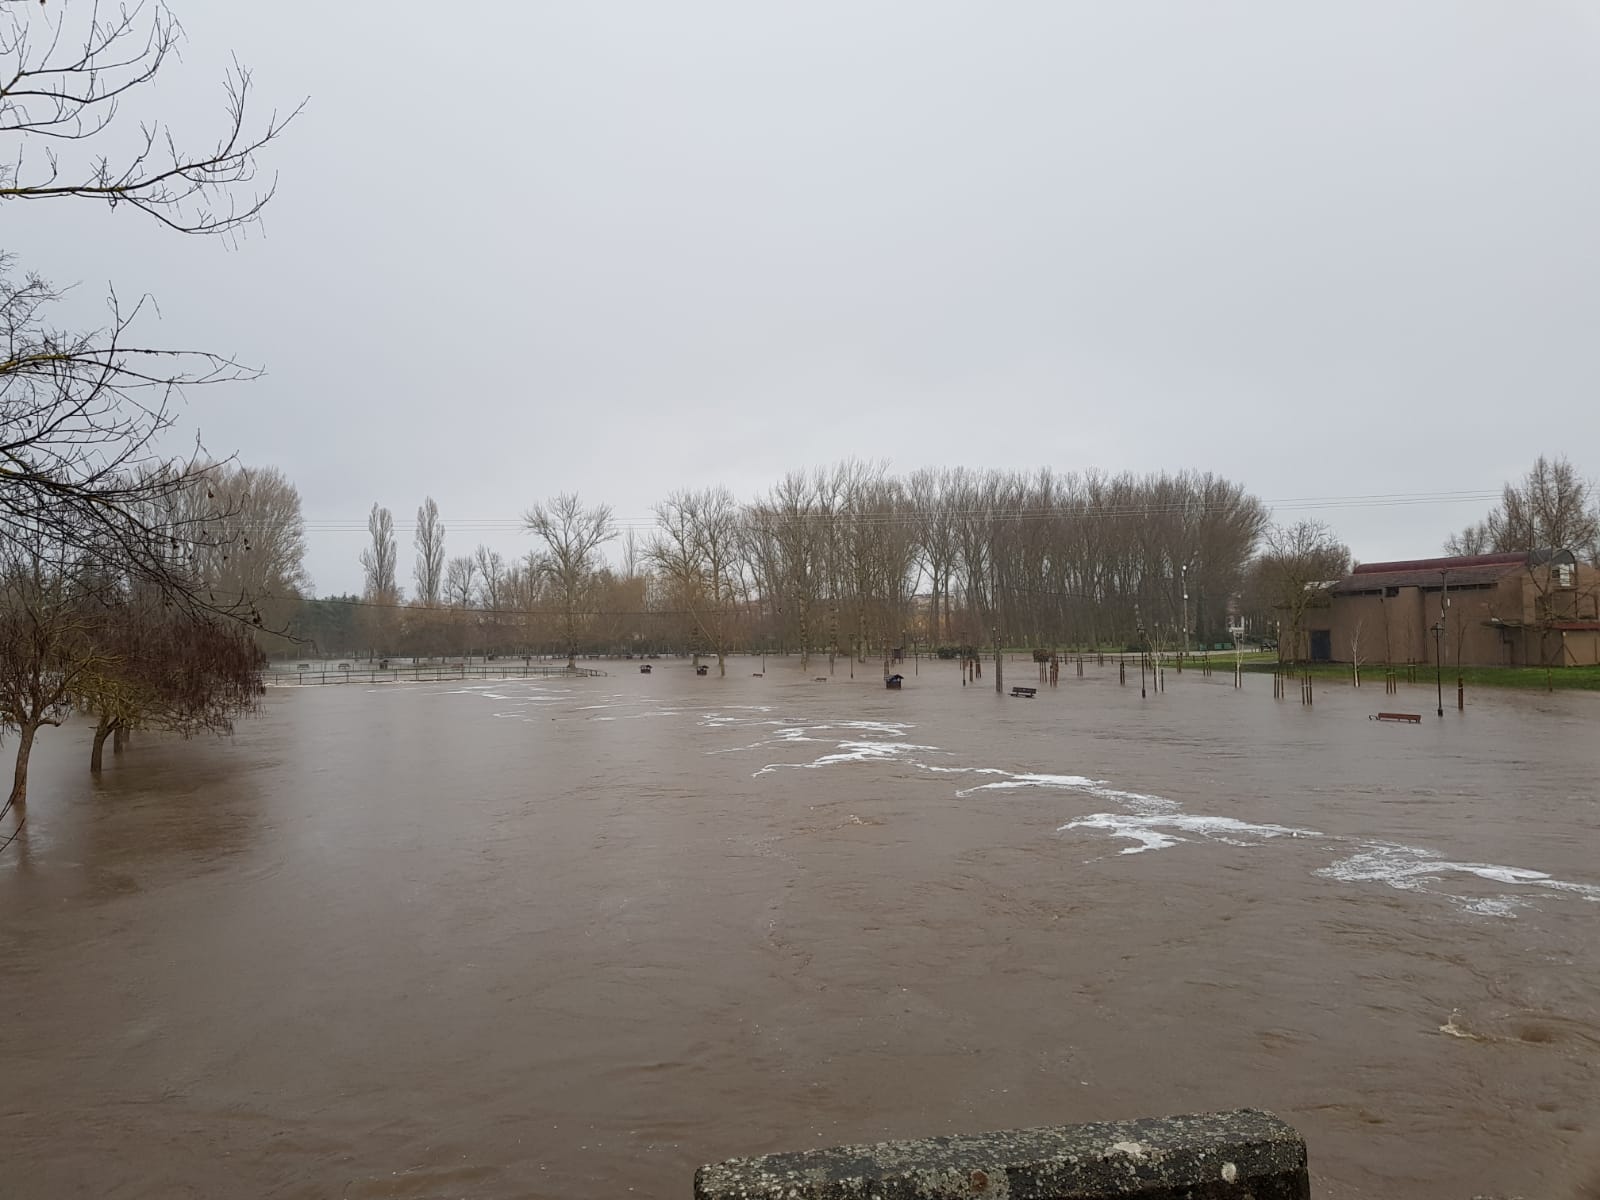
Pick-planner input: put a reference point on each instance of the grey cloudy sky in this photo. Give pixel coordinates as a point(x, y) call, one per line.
point(1328, 250)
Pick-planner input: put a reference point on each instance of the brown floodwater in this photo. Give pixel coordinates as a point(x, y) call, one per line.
point(576, 937)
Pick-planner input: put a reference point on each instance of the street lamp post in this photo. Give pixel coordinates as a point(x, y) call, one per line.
point(1143, 644)
point(1438, 661)
point(1183, 571)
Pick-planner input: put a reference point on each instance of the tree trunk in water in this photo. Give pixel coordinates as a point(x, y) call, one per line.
point(97, 755)
point(19, 781)
point(119, 739)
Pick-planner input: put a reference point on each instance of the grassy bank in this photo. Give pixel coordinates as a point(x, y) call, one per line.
point(1535, 678)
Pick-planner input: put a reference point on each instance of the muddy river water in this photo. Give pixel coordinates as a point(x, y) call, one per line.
point(576, 937)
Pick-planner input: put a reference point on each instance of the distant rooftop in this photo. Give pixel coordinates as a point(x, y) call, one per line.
point(1515, 558)
point(1455, 571)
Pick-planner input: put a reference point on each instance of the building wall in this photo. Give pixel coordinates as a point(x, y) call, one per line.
point(1572, 648)
point(1399, 628)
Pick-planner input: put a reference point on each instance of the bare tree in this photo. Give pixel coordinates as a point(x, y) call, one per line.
point(461, 581)
point(1295, 560)
point(66, 70)
point(255, 555)
point(378, 559)
point(632, 553)
point(572, 536)
point(696, 549)
point(382, 591)
point(429, 541)
point(791, 518)
point(81, 418)
point(47, 643)
point(1552, 508)
point(82, 413)
point(935, 542)
point(160, 669)
point(1474, 539)
point(491, 568)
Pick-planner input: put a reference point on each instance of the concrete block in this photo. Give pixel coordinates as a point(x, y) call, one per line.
point(1241, 1155)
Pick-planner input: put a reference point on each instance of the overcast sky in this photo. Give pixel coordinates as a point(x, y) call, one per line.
point(1328, 250)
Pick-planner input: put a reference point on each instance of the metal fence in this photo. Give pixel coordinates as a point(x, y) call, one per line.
point(437, 673)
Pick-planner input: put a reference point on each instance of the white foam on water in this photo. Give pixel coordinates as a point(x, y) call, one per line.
point(716, 720)
point(1138, 801)
point(1495, 906)
point(887, 728)
point(1451, 1029)
point(1150, 822)
point(1241, 833)
point(1148, 830)
point(785, 737)
point(719, 719)
point(849, 752)
point(1413, 869)
point(1136, 829)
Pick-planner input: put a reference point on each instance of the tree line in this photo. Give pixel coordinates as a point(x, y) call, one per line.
point(852, 559)
point(846, 559)
point(122, 567)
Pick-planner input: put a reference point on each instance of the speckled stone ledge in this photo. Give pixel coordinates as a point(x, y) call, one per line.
point(1212, 1156)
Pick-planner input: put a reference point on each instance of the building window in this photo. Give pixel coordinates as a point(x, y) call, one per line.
point(1564, 575)
point(1391, 592)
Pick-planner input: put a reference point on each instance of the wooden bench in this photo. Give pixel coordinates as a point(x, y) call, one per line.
point(1025, 693)
point(1409, 718)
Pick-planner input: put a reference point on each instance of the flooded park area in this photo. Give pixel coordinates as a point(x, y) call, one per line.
point(577, 936)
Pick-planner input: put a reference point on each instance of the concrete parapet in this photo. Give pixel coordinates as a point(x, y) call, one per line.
point(1240, 1155)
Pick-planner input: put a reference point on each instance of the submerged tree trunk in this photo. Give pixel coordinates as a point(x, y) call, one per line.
point(119, 739)
point(19, 781)
point(101, 731)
